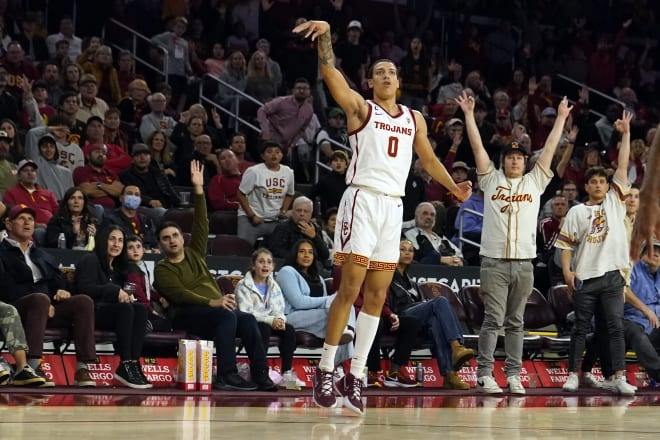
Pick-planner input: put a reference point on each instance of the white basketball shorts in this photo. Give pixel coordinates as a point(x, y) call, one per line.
point(369, 228)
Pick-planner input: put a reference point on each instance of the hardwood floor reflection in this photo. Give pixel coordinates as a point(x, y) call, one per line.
point(510, 418)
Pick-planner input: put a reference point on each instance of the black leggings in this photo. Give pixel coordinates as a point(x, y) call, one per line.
point(129, 322)
point(286, 344)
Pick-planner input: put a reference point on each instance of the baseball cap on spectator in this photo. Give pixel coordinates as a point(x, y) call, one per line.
point(549, 111)
point(181, 19)
point(87, 78)
point(460, 164)
point(453, 121)
point(25, 162)
point(92, 119)
point(140, 148)
point(18, 210)
point(354, 24)
point(656, 243)
point(339, 154)
point(45, 139)
point(336, 111)
point(4, 135)
point(514, 147)
point(92, 147)
point(139, 84)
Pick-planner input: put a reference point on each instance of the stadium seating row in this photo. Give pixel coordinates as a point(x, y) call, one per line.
point(545, 321)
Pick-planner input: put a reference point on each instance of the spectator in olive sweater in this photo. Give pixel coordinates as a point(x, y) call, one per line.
point(198, 306)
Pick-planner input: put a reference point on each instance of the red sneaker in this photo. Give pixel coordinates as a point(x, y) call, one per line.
point(322, 391)
point(350, 388)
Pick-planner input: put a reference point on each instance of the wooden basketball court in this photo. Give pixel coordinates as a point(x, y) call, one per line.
point(286, 415)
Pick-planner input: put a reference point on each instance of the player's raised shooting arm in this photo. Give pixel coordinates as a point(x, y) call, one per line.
point(348, 99)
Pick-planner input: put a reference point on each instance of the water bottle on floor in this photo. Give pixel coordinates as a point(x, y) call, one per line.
point(419, 373)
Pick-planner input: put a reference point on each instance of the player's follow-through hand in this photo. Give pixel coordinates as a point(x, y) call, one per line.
point(312, 29)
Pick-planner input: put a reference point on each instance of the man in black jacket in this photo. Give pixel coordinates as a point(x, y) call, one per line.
point(156, 190)
point(130, 220)
point(25, 270)
point(300, 225)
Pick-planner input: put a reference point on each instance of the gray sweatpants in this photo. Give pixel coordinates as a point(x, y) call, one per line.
point(506, 285)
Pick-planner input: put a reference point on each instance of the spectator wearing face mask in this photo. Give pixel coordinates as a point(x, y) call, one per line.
point(130, 220)
point(156, 190)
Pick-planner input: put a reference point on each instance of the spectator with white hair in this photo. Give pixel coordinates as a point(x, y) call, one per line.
point(156, 119)
point(430, 248)
point(299, 225)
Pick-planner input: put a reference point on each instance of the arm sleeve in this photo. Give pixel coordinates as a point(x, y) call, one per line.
point(322, 251)
point(169, 286)
point(262, 116)
point(276, 302)
point(243, 297)
point(292, 285)
point(216, 193)
point(279, 240)
point(53, 230)
point(488, 178)
point(568, 236)
point(248, 181)
point(146, 127)
point(200, 230)
point(31, 111)
point(32, 140)
point(87, 281)
point(291, 185)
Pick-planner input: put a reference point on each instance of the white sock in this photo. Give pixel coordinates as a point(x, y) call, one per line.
point(327, 362)
point(366, 327)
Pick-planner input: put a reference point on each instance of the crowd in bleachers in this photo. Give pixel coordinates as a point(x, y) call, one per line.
point(91, 143)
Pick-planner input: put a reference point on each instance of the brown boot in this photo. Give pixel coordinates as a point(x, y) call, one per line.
point(460, 355)
point(454, 382)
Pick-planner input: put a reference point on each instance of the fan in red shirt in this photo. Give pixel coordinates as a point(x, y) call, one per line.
point(28, 192)
point(223, 188)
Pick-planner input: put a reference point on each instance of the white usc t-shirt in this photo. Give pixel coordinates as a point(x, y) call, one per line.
point(597, 235)
point(265, 189)
point(511, 207)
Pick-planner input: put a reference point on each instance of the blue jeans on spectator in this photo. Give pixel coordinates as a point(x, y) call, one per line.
point(439, 321)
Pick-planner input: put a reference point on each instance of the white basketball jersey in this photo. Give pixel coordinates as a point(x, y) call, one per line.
point(382, 150)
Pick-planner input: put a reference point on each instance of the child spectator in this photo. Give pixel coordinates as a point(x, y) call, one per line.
point(138, 275)
point(265, 194)
point(260, 295)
